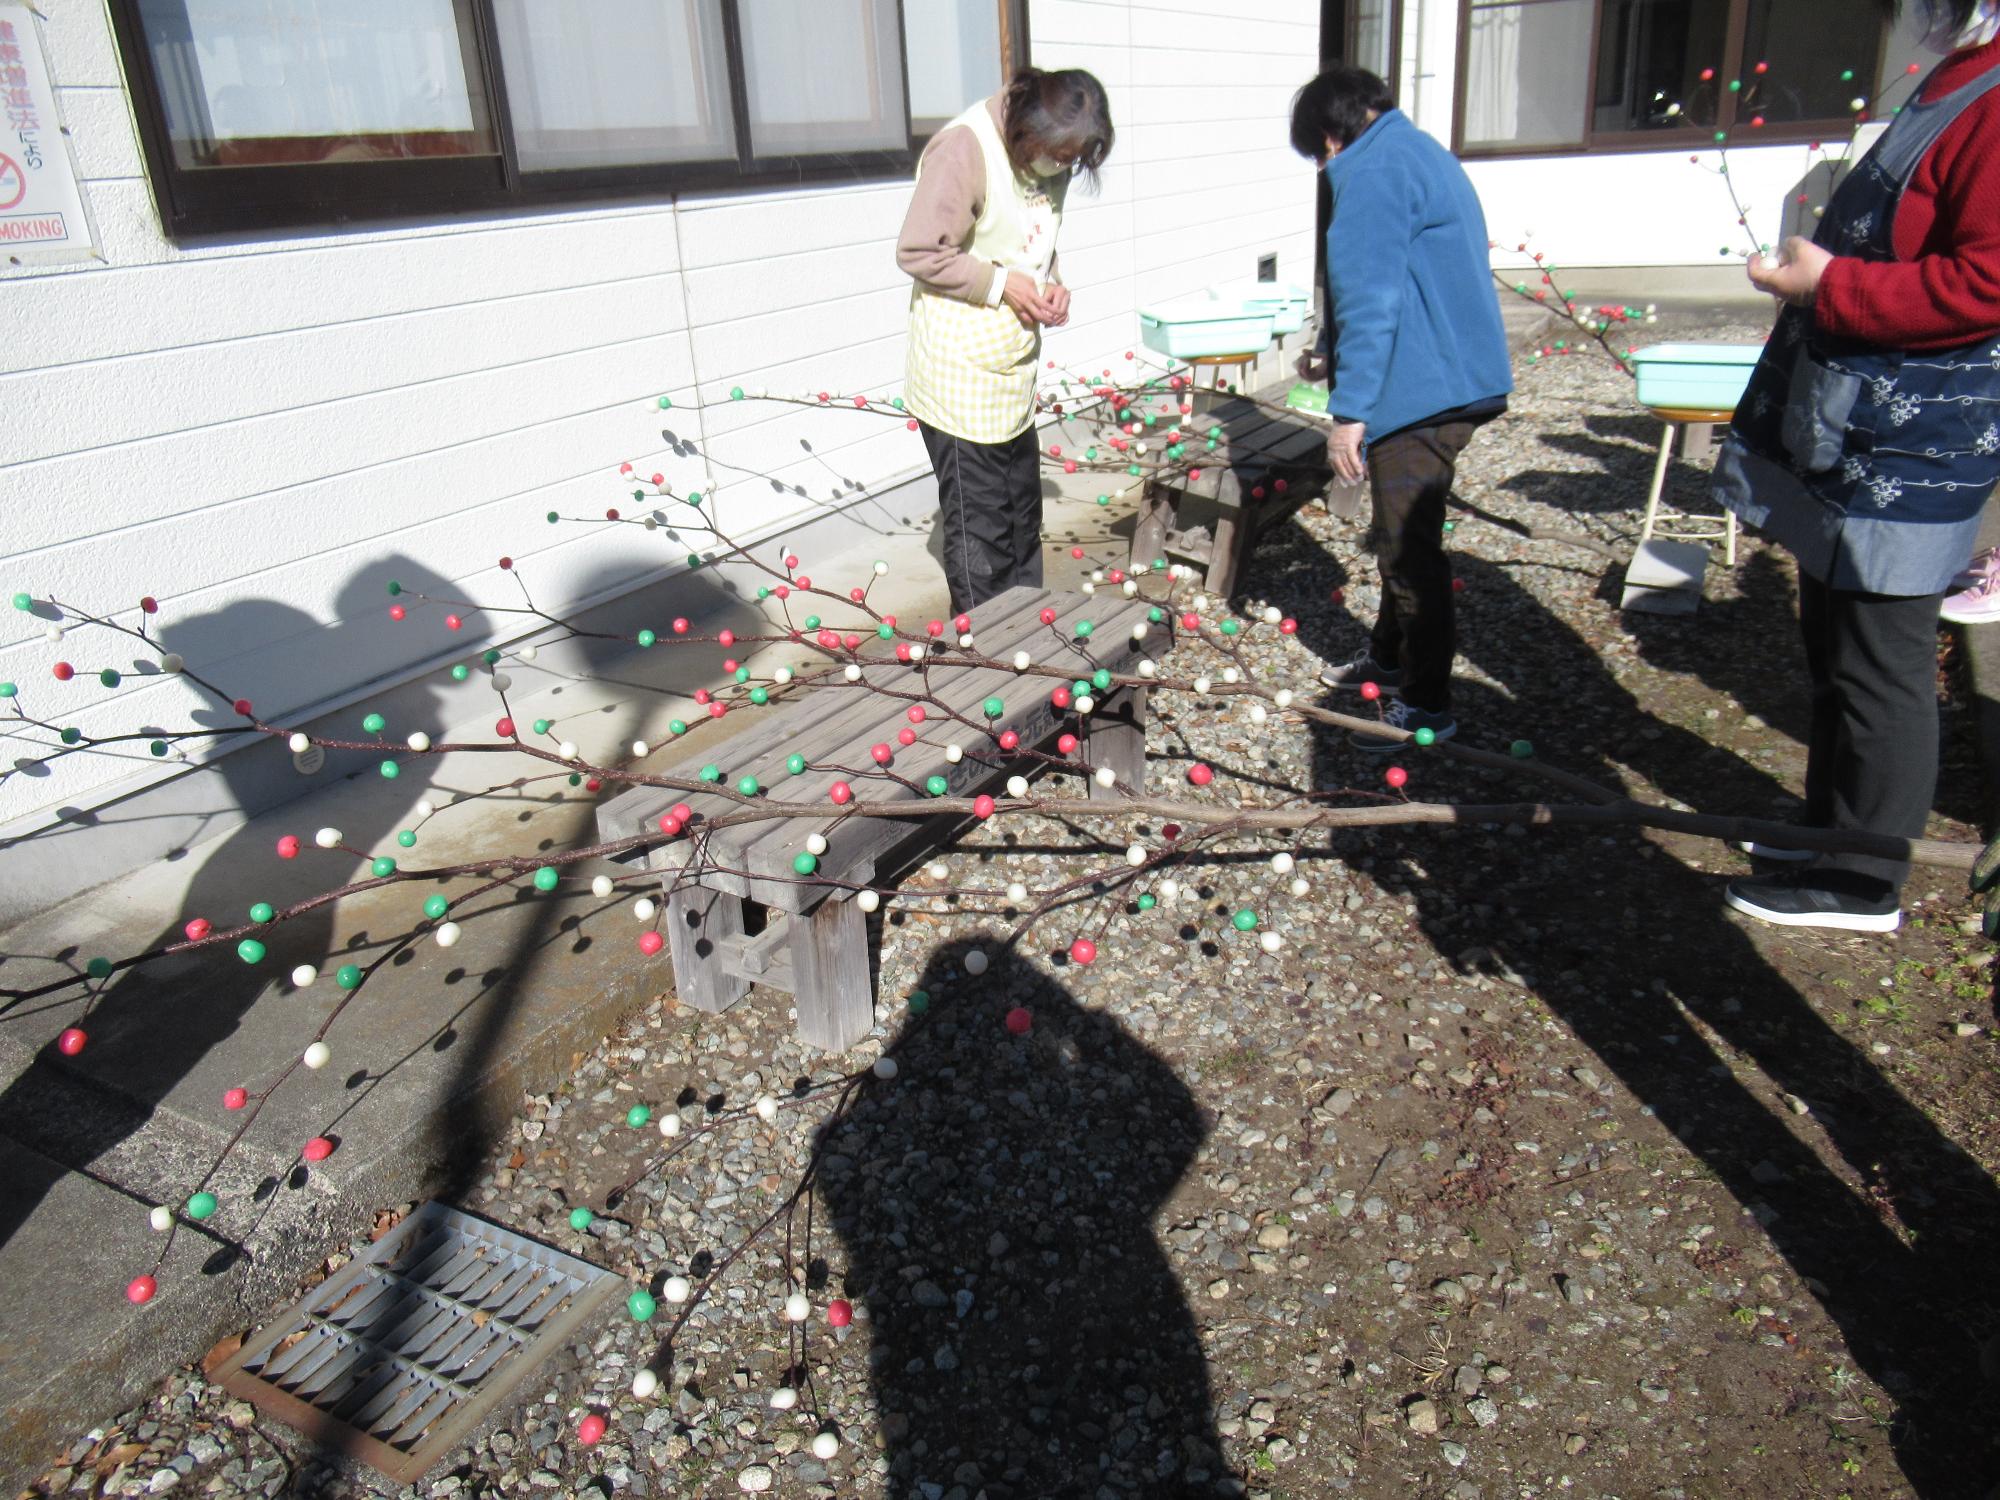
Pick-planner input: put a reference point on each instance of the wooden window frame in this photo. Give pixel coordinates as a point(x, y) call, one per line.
point(1633, 142)
point(208, 205)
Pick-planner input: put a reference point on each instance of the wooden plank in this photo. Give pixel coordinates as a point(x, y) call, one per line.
point(699, 922)
point(1158, 504)
point(1298, 458)
point(835, 991)
point(1118, 740)
point(775, 738)
point(762, 852)
point(1027, 710)
point(1254, 444)
point(770, 849)
point(1225, 554)
point(842, 739)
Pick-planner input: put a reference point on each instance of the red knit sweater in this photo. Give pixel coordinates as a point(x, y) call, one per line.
point(1943, 287)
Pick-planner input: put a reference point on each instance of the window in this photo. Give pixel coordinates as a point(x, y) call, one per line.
point(949, 42)
point(824, 76)
point(651, 86)
point(1626, 75)
point(257, 114)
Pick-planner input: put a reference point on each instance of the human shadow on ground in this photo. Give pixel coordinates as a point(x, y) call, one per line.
point(1744, 640)
point(1623, 450)
point(155, 1025)
point(996, 1201)
point(1885, 1219)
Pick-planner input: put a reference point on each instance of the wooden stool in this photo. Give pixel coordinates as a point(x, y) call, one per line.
point(1692, 527)
point(1215, 364)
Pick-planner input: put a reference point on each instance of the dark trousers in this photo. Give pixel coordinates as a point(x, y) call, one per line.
point(1872, 756)
point(1409, 476)
point(990, 514)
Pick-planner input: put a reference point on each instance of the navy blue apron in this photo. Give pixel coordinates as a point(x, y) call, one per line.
point(1870, 464)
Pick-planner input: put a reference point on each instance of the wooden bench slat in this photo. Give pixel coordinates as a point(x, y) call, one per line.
point(856, 845)
point(638, 810)
point(854, 719)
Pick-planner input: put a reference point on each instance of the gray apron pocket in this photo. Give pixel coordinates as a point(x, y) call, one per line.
point(1814, 427)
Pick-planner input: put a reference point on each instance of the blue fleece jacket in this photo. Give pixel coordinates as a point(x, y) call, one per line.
point(1413, 318)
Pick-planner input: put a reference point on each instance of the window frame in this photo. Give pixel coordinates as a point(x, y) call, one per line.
point(1682, 138)
point(209, 205)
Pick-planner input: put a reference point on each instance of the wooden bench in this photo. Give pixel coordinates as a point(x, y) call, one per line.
point(813, 943)
point(1259, 452)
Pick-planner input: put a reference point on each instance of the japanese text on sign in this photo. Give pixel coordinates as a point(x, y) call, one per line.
point(41, 209)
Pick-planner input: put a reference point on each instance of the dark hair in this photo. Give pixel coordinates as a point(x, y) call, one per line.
point(1062, 114)
point(1336, 105)
point(1952, 15)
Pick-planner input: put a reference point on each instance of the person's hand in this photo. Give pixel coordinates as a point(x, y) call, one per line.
point(1029, 305)
point(1057, 297)
point(1794, 276)
point(1311, 365)
point(1343, 451)
point(1986, 877)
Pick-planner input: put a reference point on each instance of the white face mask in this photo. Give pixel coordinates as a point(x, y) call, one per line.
point(1981, 29)
point(1047, 166)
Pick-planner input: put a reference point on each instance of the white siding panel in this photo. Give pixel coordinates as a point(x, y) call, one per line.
point(185, 471)
point(740, 351)
point(1080, 24)
point(101, 314)
point(229, 545)
point(743, 289)
point(1195, 108)
point(102, 403)
point(1656, 206)
point(101, 129)
point(77, 37)
point(724, 231)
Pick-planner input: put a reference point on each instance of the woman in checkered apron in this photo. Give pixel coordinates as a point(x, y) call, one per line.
point(980, 243)
point(1867, 443)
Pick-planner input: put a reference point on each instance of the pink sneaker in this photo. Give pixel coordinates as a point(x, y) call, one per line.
point(1976, 605)
point(1983, 565)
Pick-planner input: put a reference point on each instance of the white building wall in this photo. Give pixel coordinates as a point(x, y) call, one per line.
point(262, 434)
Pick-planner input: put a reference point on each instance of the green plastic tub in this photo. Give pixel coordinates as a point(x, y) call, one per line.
point(1287, 304)
point(1695, 377)
point(1189, 327)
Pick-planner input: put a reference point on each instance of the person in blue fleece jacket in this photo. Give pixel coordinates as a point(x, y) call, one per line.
point(1416, 359)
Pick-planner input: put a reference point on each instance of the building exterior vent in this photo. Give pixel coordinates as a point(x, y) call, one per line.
point(402, 1353)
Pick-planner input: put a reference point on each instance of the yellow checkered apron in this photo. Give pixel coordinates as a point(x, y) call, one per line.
point(971, 369)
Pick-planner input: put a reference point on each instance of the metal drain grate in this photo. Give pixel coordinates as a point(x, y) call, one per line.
point(404, 1351)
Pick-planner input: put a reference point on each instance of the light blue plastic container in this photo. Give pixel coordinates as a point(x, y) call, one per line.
point(1190, 327)
point(1287, 304)
point(1695, 377)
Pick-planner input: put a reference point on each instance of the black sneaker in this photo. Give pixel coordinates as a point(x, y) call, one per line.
point(1364, 668)
point(1401, 715)
point(1776, 853)
point(1817, 899)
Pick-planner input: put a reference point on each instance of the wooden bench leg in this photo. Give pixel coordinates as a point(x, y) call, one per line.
point(835, 994)
point(1118, 740)
point(1232, 535)
point(1149, 538)
point(697, 923)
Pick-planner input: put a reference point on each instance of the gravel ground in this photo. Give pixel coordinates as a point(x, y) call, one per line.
point(1519, 1168)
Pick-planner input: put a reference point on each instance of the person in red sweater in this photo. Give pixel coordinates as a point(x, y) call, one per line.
point(1867, 443)
point(1946, 275)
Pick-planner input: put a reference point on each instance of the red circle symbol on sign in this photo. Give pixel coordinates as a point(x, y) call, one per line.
point(13, 182)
